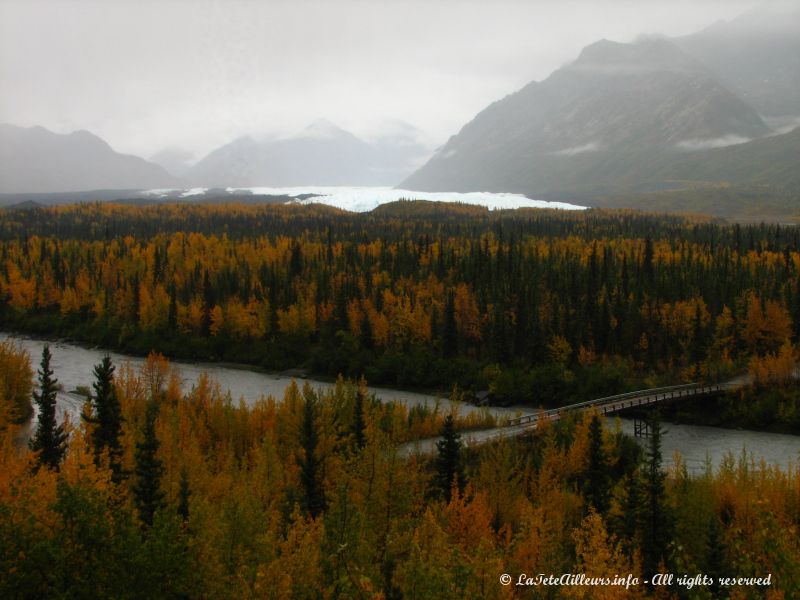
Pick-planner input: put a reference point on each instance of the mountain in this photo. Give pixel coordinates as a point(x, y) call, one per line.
point(35, 160)
point(757, 56)
point(175, 161)
point(773, 161)
point(398, 151)
point(605, 121)
point(321, 154)
point(234, 164)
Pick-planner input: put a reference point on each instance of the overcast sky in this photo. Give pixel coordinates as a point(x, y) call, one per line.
point(148, 75)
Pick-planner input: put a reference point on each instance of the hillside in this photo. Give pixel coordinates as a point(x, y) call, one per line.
point(322, 154)
point(606, 120)
point(773, 160)
point(757, 56)
point(36, 160)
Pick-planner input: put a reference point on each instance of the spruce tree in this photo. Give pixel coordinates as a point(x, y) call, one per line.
point(450, 332)
point(715, 558)
point(697, 350)
point(655, 518)
point(313, 494)
point(449, 467)
point(367, 340)
point(49, 440)
point(172, 311)
point(359, 426)
point(648, 259)
point(209, 300)
point(596, 482)
point(630, 522)
point(147, 494)
point(184, 493)
point(106, 418)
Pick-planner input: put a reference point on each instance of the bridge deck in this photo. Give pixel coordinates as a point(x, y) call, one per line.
point(607, 406)
point(612, 404)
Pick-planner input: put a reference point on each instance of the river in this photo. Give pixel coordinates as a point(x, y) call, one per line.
point(73, 366)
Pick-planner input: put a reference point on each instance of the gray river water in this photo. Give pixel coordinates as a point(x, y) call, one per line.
point(73, 366)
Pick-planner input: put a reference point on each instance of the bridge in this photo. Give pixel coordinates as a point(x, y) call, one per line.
point(613, 404)
point(608, 405)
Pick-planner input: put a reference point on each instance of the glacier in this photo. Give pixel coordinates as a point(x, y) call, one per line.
point(364, 199)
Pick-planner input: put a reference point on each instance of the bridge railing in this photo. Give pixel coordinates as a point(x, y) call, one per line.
point(524, 419)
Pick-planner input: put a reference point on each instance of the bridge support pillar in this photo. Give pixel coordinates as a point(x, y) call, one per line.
point(641, 427)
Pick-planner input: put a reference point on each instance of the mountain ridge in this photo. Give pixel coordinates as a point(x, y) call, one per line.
point(321, 154)
point(604, 118)
point(37, 160)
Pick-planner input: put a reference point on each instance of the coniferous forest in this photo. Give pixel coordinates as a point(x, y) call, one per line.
point(158, 493)
point(540, 308)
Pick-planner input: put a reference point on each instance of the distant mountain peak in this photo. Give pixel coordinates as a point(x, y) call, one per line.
point(321, 154)
point(322, 129)
point(755, 55)
point(37, 160)
point(647, 54)
point(604, 120)
point(244, 141)
point(175, 160)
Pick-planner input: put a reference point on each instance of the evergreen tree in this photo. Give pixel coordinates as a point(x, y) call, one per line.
point(106, 418)
point(313, 495)
point(184, 493)
point(367, 340)
point(147, 494)
point(715, 561)
point(209, 300)
point(499, 334)
point(359, 426)
point(647, 260)
point(596, 482)
point(50, 440)
point(655, 519)
point(697, 348)
point(449, 467)
point(172, 311)
point(630, 520)
point(450, 333)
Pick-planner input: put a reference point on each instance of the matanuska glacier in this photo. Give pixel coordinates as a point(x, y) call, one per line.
point(363, 199)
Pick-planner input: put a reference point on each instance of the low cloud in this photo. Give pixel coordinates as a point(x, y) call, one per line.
point(445, 153)
point(582, 149)
point(693, 145)
point(781, 125)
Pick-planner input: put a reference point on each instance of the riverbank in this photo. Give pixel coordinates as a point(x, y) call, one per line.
point(73, 367)
point(752, 410)
point(416, 368)
point(254, 355)
point(773, 410)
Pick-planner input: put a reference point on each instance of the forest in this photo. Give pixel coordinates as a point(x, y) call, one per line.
point(157, 494)
point(540, 308)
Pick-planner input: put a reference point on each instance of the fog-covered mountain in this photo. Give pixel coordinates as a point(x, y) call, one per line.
point(175, 161)
point(772, 160)
point(605, 120)
point(757, 56)
point(321, 154)
point(36, 160)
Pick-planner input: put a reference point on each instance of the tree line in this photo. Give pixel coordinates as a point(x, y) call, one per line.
point(163, 494)
point(539, 307)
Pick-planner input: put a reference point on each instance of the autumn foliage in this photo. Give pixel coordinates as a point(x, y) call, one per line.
point(539, 307)
point(231, 520)
point(316, 494)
